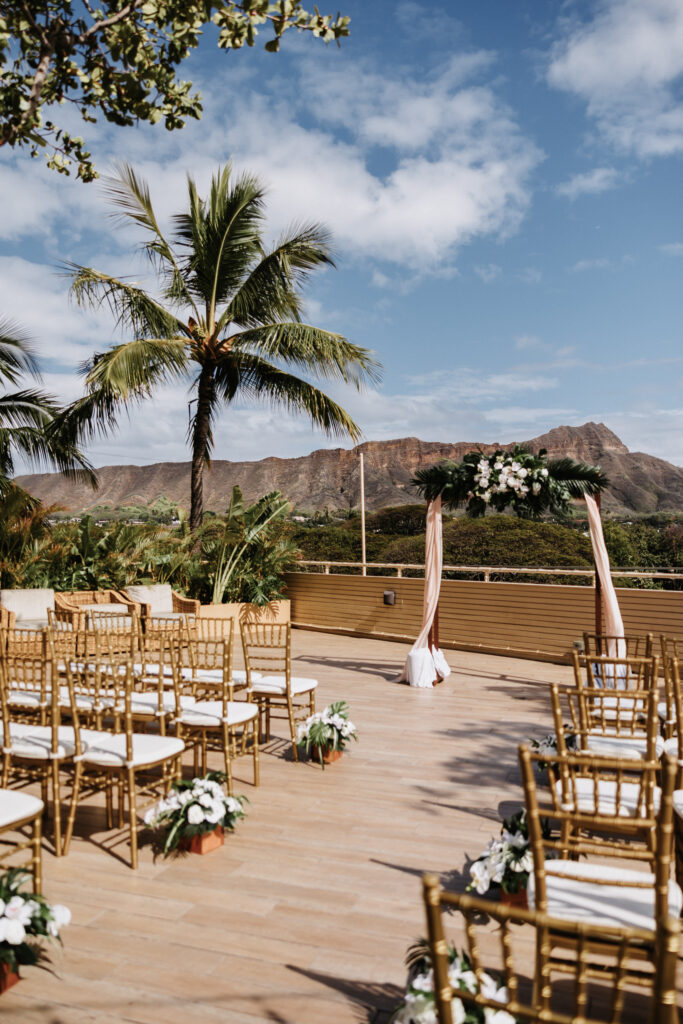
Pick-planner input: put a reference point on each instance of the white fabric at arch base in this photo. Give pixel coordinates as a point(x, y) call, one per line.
point(424, 664)
point(613, 624)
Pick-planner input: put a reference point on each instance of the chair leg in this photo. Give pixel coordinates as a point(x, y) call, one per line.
point(119, 797)
point(226, 758)
point(76, 785)
point(37, 855)
point(254, 740)
point(132, 818)
point(292, 728)
point(56, 808)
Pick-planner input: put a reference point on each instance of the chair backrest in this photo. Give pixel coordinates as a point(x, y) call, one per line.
point(159, 637)
point(28, 604)
point(101, 698)
point(595, 993)
point(267, 649)
point(159, 597)
point(563, 822)
point(114, 637)
point(672, 653)
point(615, 673)
point(27, 675)
point(632, 646)
point(210, 644)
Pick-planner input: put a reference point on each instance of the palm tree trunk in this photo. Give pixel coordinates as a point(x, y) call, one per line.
point(200, 437)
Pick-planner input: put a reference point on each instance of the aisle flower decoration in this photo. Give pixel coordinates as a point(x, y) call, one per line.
point(327, 730)
point(26, 919)
point(193, 808)
point(419, 1004)
point(507, 861)
point(547, 745)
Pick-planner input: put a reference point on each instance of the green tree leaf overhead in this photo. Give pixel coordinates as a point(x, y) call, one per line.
point(227, 319)
point(121, 60)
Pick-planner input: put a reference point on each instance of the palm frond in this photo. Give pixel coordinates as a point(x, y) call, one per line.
point(129, 372)
point(257, 378)
point(16, 354)
point(130, 196)
point(271, 291)
point(326, 355)
point(27, 408)
point(132, 306)
point(579, 478)
point(222, 236)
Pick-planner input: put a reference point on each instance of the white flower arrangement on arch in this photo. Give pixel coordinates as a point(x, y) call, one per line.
point(193, 808)
point(26, 918)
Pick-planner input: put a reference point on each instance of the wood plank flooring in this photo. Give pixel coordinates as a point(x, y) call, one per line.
point(304, 916)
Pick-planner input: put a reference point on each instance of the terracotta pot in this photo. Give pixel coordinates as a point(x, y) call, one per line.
point(329, 755)
point(515, 899)
point(204, 843)
point(8, 977)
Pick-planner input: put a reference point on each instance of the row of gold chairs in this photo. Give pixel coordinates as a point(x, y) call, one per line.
point(604, 908)
point(113, 707)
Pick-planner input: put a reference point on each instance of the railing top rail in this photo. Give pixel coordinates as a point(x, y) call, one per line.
point(654, 573)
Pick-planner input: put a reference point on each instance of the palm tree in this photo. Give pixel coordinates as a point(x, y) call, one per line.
point(227, 320)
point(32, 427)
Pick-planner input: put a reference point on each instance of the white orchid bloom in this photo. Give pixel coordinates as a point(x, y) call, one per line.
point(423, 982)
point(19, 909)
point(12, 931)
point(481, 876)
point(195, 815)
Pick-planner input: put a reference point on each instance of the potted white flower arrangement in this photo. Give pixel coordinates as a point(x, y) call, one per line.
point(506, 862)
point(547, 745)
point(195, 814)
point(26, 918)
point(419, 1004)
point(326, 733)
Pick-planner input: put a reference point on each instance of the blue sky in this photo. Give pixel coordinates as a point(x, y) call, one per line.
point(503, 182)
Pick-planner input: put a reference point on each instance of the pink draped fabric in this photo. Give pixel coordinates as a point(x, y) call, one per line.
point(613, 624)
point(424, 665)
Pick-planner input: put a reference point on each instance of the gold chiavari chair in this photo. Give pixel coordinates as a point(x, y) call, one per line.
point(629, 645)
point(579, 988)
point(17, 811)
point(27, 673)
point(566, 835)
point(217, 721)
point(673, 746)
point(32, 751)
point(136, 762)
point(268, 652)
point(621, 720)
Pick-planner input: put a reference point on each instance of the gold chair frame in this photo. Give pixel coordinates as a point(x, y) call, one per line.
point(33, 844)
point(623, 946)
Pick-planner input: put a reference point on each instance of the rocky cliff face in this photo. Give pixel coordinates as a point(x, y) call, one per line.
point(331, 477)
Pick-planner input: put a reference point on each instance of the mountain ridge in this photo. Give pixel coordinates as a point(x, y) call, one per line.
point(330, 477)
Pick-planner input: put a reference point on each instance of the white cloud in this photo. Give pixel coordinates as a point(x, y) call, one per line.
point(600, 179)
point(513, 415)
point(527, 341)
point(530, 275)
point(489, 272)
point(672, 248)
point(626, 64)
point(597, 264)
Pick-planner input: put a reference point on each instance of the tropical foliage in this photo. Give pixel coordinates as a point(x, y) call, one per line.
point(121, 60)
point(31, 424)
point(229, 321)
point(26, 919)
point(194, 807)
point(530, 485)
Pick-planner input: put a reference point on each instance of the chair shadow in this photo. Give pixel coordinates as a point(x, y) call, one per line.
point(373, 1002)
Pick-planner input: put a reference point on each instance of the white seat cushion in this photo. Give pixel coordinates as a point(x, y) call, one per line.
point(16, 806)
point(148, 703)
point(159, 597)
point(574, 893)
point(35, 741)
point(109, 750)
point(105, 609)
point(29, 604)
point(27, 699)
point(606, 792)
point(662, 710)
point(678, 802)
point(210, 713)
point(633, 748)
point(31, 624)
point(277, 685)
point(671, 746)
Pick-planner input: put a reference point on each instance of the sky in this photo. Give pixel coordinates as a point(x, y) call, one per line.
point(503, 184)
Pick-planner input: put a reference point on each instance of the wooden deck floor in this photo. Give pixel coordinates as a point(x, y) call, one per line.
point(305, 915)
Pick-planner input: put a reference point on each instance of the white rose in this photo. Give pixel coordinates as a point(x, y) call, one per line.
point(233, 805)
point(195, 815)
point(15, 933)
point(481, 876)
point(19, 909)
point(544, 472)
point(423, 982)
point(522, 472)
point(205, 800)
point(62, 915)
point(497, 465)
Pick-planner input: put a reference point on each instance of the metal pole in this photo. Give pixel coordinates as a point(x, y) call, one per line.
point(598, 595)
point(362, 514)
